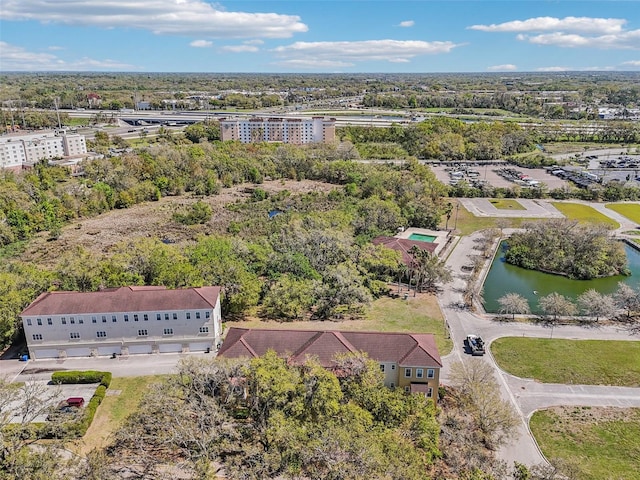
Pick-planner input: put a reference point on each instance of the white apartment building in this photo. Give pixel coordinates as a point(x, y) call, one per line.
point(123, 321)
point(277, 129)
point(17, 151)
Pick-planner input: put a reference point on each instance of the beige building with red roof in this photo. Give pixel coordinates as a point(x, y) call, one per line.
point(123, 321)
point(408, 360)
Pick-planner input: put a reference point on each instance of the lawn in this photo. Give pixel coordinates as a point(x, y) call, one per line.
point(113, 410)
point(506, 204)
point(417, 315)
point(629, 210)
point(594, 443)
point(586, 362)
point(584, 213)
point(468, 223)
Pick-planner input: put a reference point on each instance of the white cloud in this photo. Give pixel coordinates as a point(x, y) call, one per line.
point(361, 51)
point(633, 63)
point(54, 48)
point(256, 41)
point(311, 63)
point(162, 17)
point(407, 23)
point(201, 43)
point(567, 24)
point(507, 67)
point(15, 58)
point(624, 40)
point(240, 48)
point(553, 69)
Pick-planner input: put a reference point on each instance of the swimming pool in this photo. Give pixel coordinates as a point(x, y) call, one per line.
point(422, 238)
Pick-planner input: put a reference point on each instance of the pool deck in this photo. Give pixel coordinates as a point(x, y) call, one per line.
point(441, 236)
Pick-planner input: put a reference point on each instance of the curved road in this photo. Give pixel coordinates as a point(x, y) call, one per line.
point(526, 395)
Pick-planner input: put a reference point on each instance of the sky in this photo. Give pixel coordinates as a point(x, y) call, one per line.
point(319, 36)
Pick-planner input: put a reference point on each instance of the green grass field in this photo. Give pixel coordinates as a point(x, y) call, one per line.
point(113, 410)
point(584, 213)
point(506, 204)
point(629, 210)
point(579, 362)
point(419, 315)
point(593, 443)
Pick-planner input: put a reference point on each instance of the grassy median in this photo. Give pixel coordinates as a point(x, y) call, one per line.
point(629, 210)
point(584, 213)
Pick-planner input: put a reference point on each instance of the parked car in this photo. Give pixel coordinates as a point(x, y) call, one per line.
point(475, 345)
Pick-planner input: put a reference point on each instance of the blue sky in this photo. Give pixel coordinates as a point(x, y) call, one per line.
point(319, 36)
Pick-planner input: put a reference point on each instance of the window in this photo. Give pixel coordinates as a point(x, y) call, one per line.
point(393, 367)
point(166, 316)
point(29, 321)
point(158, 316)
point(167, 331)
point(392, 385)
point(381, 367)
point(430, 373)
point(37, 336)
point(114, 319)
point(72, 320)
point(198, 315)
point(101, 334)
point(80, 320)
point(104, 319)
point(39, 320)
point(74, 335)
point(188, 315)
point(126, 318)
point(407, 388)
point(204, 329)
point(94, 320)
point(63, 320)
point(49, 321)
point(407, 372)
point(146, 317)
point(143, 332)
point(207, 314)
point(430, 392)
point(135, 317)
point(175, 316)
point(419, 372)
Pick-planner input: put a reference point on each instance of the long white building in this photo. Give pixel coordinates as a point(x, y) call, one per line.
point(123, 321)
point(278, 129)
point(17, 151)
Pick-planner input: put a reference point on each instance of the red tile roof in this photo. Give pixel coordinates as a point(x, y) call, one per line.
point(405, 349)
point(123, 299)
point(403, 245)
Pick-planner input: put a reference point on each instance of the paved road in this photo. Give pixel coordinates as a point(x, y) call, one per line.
point(525, 395)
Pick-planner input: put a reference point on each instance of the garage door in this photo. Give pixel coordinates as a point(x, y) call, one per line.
point(46, 353)
point(78, 352)
point(109, 350)
point(170, 347)
point(137, 349)
point(199, 346)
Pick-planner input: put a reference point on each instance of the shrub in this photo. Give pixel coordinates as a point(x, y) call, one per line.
point(89, 376)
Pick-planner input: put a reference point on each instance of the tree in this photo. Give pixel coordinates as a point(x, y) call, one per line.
point(627, 298)
point(477, 387)
point(557, 305)
point(288, 298)
point(513, 303)
point(595, 304)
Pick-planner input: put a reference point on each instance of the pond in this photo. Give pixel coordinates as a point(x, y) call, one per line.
point(505, 278)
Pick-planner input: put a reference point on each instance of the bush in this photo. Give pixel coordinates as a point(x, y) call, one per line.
point(75, 376)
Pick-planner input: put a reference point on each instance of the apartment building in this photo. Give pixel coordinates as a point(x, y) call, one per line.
point(409, 361)
point(17, 151)
point(123, 321)
point(297, 131)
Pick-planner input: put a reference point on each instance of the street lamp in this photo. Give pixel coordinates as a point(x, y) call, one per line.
point(455, 226)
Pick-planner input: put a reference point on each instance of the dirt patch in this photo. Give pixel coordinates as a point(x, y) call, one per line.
point(153, 220)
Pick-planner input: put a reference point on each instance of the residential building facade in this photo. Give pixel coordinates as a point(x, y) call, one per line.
point(408, 360)
point(123, 321)
point(17, 151)
point(286, 130)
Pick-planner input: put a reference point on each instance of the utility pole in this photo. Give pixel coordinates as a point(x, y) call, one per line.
point(455, 226)
point(55, 102)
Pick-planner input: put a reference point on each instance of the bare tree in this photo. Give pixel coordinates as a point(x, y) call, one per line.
point(627, 298)
point(595, 304)
point(557, 305)
point(513, 303)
